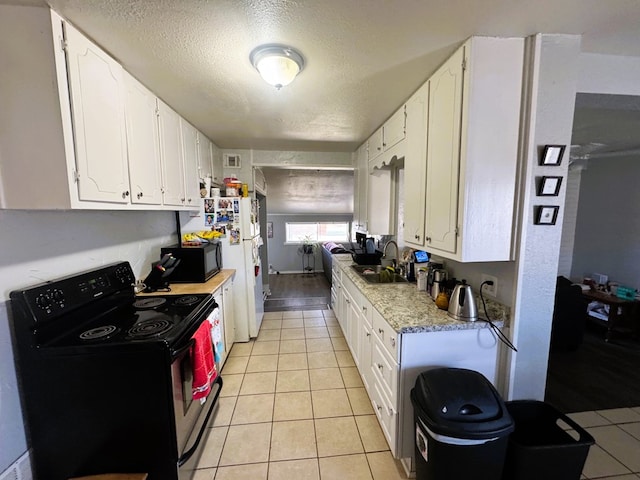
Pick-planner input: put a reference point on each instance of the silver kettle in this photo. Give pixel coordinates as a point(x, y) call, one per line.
point(462, 304)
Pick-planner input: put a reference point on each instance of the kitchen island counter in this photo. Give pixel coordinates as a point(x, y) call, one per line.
point(408, 310)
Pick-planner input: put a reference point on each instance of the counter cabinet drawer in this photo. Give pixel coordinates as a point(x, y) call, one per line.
point(387, 417)
point(388, 337)
point(385, 371)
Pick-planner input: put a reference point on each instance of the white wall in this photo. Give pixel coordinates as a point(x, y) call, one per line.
point(286, 258)
point(38, 246)
point(571, 202)
point(608, 221)
point(608, 74)
point(552, 71)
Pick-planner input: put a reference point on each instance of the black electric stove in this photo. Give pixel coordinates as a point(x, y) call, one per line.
point(105, 376)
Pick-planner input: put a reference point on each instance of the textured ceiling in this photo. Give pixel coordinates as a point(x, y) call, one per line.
point(363, 58)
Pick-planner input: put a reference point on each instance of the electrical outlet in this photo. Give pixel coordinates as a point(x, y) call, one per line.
point(491, 290)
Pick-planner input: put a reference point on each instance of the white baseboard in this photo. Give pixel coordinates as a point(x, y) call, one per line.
point(19, 470)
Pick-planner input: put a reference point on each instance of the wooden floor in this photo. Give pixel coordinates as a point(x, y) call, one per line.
point(599, 375)
point(296, 291)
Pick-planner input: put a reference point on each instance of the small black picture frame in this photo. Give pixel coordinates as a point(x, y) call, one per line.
point(552, 155)
point(549, 186)
point(546, 214)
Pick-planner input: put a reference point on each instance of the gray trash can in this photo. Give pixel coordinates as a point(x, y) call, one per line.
point(462, 426)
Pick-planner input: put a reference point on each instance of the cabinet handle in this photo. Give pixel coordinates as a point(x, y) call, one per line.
point(391, 411)
point(380, 366)
point(379, 148)
point(368, 334)
point(189, 200)
point(381, 332)
point(139, 195)
point(428, 239)
point(393, 342)
point(364, 309)
point(384, 145)
point(347, 300)
point(182, 199)
point(417, 237)
point(378, 407)
point(125, 194)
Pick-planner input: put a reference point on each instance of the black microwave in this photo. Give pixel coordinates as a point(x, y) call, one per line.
point(198, 263)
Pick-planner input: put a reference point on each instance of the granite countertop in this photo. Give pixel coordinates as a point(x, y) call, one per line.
point(408, 310)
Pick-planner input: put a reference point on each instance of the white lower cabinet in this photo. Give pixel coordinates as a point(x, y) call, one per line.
point(389, 363)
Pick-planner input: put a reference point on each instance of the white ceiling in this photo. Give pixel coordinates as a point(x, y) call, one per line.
point(363, 58)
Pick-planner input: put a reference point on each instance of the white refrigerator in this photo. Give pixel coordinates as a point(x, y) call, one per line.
point(241, 243)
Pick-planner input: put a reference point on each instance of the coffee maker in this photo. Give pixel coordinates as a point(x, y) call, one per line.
point(439, 276)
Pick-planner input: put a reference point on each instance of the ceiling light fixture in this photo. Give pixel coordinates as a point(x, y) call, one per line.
point(277, 64)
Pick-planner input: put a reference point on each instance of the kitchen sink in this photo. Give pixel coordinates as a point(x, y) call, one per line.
point(373, 274)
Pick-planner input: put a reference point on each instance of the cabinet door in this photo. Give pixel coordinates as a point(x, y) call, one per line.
point(190, 163)
point(97, 106)
point(443, 154)
point(364, 366)
point(143, 143)
point(229, 315)
point(353, 337)
point(415, 167)
point(205, 160)
point(375, 144)
point(171, 156)
point(379, 204)
point(361, 185)
point(393, 130)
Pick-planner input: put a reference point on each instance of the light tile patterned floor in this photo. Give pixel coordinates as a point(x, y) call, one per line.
point(293, 407)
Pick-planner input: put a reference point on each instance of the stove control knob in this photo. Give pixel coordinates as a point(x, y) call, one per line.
point(58, 297)
point(44, 301)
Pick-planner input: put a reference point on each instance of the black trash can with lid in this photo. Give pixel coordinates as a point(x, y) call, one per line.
point(462, 426)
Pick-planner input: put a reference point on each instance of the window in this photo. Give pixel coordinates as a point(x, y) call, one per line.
point(297, 232)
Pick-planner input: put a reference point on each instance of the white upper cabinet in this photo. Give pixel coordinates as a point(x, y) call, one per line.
point(190, 164)
point(97, 106)
point(488, 158)
point(443, 152)
point(171, 155)
point(415, 167)
point(97, 133)
point(361, 178)
point(143, 143)
point(205, 157)
point(461, 153)
point(386, 142)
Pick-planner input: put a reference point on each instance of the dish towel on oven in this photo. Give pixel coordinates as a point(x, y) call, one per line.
point(202, 364)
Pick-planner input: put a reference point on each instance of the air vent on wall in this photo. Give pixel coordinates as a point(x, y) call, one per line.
point(231, 160)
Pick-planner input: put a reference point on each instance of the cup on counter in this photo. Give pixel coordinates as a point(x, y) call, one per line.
point(215, 192)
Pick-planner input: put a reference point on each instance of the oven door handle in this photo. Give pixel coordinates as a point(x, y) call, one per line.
point(189, 453)
point(176, 353)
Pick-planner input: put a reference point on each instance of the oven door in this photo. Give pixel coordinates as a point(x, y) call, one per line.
point(192, 417)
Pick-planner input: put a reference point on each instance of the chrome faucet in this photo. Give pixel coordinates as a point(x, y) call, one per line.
point(384, 252)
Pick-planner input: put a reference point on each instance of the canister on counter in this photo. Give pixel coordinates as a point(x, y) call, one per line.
point(422, 279)
point(245, 190)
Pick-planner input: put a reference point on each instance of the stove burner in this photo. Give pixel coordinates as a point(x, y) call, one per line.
point(150, 328)
point(147, 303)
point(187, 300)
point(99, 332)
